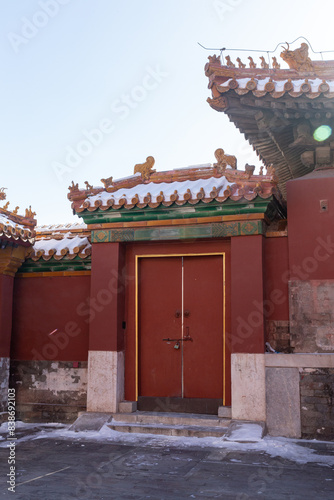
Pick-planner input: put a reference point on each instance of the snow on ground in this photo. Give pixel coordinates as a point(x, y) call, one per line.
point(289, 449)
point(245, 432)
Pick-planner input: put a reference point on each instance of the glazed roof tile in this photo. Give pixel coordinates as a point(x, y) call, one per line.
point(58, 245)
point(277, 88)
point(53, 228)
point(201, 183)
point(16, 227)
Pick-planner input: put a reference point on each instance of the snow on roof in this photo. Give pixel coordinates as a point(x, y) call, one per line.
point(11, 229)
point(59, 245)
point(307, 86)
point(156, 191)
point(200, 183)
point(61, 227)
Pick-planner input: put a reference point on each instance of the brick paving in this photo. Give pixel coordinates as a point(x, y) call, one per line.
point(65, 469)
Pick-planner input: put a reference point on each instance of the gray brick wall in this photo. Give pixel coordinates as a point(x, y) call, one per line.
point(317, 403)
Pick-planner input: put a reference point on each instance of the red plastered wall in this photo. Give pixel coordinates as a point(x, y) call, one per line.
point(43, 305)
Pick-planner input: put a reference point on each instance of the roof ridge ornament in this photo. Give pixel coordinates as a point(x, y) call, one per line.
point(107, 182)
point(251, 62)
point(88, 186)
point(264, 64)
point(145, 169)
point(2, 193)
point(240, 63)
point(271, 171)
point(297, 59)
point(214, 59)
point(224, 160)
point(29, 213)
point(275, 64)
point(229, 63)
point(73, 187)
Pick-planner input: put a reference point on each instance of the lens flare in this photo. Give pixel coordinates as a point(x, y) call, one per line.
point(322, 133)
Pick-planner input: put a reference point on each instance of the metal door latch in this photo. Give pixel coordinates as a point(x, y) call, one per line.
point(178, 340)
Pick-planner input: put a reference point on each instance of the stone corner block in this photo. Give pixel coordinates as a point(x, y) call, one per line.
point(224, 412)
point(248, 387)
point(283, 402)
point(127, 407)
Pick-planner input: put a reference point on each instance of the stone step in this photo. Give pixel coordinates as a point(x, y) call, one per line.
point(178, 419)
point(169, 430)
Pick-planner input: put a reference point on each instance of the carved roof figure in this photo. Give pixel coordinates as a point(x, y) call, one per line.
point(264, 64)
point(240, 63)
point(29, 213)
point(251, 62)
point(146, 169)
point(107, 182)
point(73, 187)
point(88, 186)
point(214, 59)
point(297, 59)
point(229, 63)
point(223, 160)
point(276, 65)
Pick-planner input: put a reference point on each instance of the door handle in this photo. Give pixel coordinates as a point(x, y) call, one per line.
point(177, 314)
point(186, 313)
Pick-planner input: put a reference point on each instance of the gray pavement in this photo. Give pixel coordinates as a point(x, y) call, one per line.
point(67, 468)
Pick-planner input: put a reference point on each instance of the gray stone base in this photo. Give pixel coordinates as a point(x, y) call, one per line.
point(127, 407)
point(283, 403)
point(4, 381)
point(224, 412)
point(40, 412)
point(49, 391)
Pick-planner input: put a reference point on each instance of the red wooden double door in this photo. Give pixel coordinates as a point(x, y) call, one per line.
point(181, 327)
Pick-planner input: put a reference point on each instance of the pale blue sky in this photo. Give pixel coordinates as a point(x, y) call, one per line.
point(70, 74)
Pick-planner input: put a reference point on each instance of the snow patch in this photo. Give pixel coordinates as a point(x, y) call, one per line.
point(288, 449)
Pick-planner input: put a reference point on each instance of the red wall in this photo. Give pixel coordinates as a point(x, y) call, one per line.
point(106, 311)
point(43, 304)
point(6, 297)
point(247, 294)
point(311, 238)
point(276, 274)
